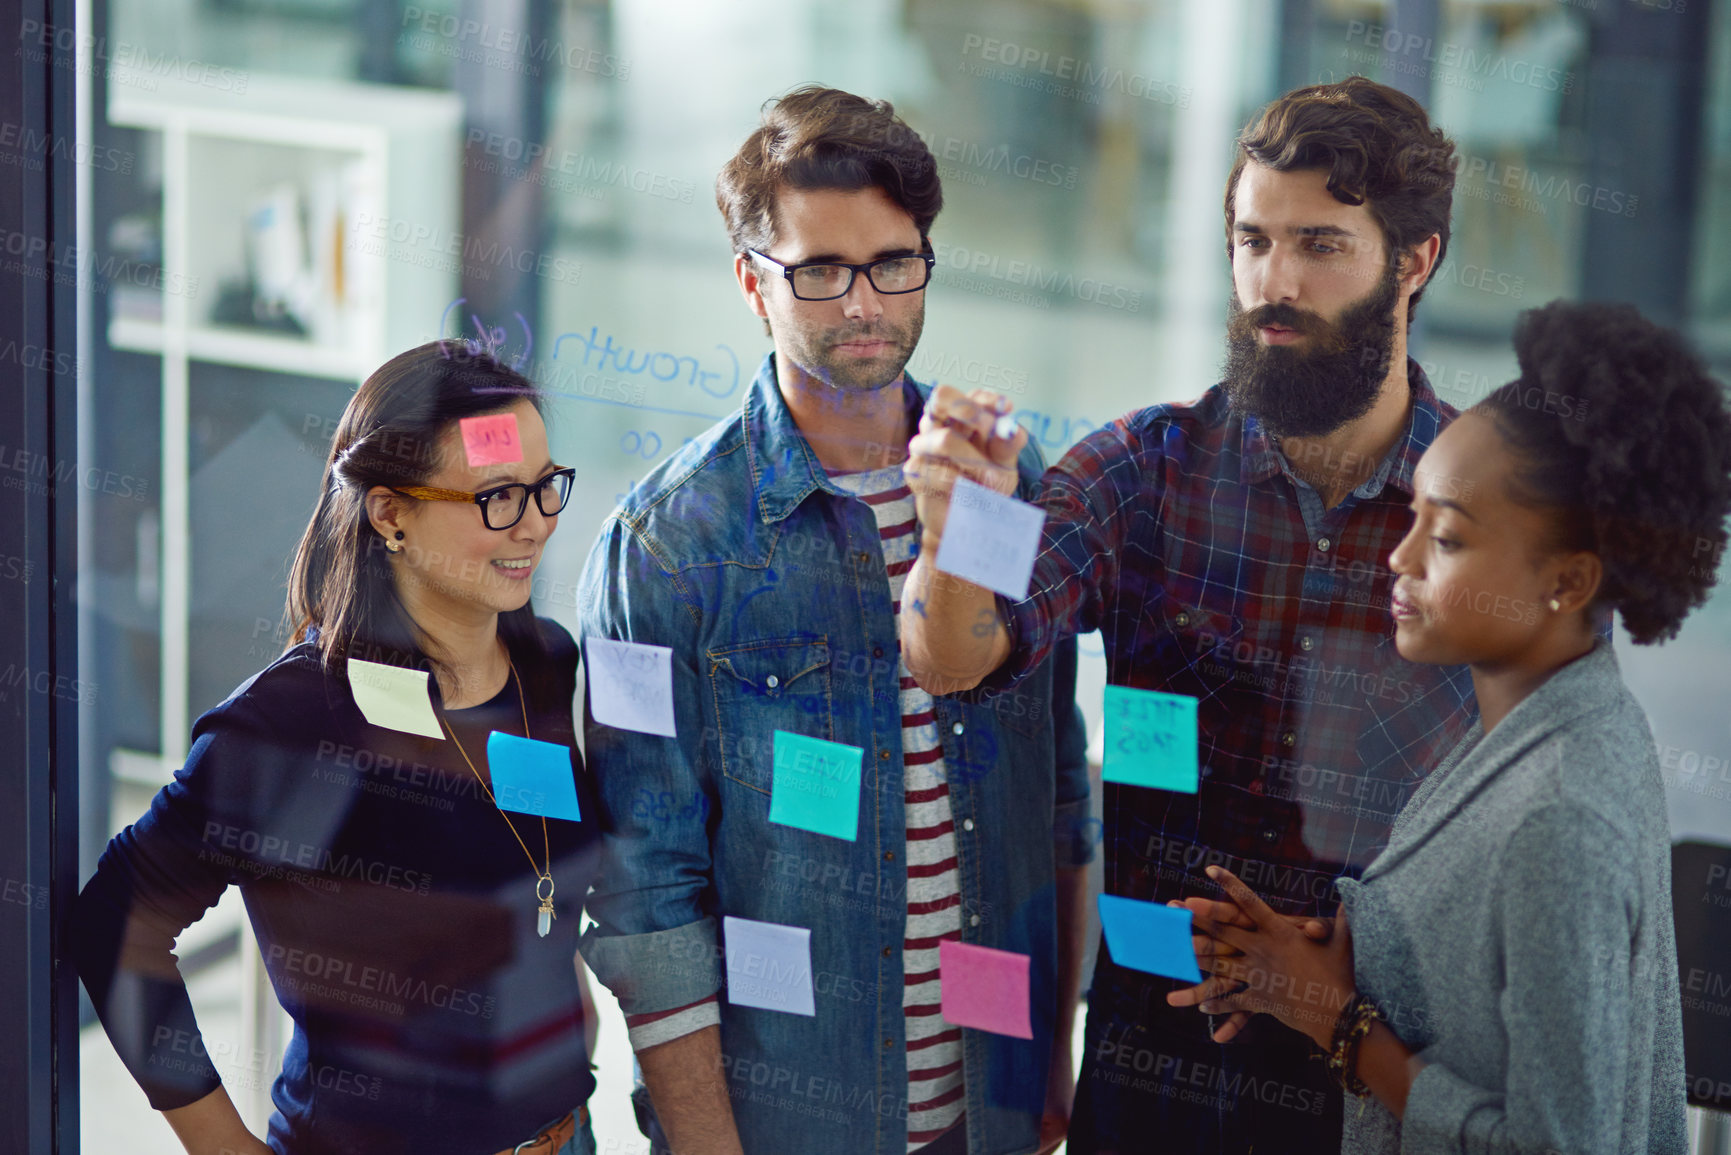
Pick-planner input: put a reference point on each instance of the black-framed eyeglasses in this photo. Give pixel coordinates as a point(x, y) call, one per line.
point(827, 280)
point(503, 506)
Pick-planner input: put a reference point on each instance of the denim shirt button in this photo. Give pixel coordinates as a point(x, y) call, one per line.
point(957, 729)
point(973, 920)
point(772, 681)
point(967, 824)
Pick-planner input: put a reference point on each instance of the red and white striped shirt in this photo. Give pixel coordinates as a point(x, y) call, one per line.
point(934, 894)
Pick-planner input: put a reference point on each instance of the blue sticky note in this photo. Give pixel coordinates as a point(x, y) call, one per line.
point(1149, 937)
point(532, 777)
point(816, 785)
point(1150, 739)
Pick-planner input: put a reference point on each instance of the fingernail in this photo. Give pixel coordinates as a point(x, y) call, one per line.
point(1213, 872)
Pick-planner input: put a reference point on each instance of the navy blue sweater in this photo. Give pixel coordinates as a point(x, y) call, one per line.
point(394, 910)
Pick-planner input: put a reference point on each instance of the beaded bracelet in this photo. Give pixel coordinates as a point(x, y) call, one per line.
point(1350, 1028)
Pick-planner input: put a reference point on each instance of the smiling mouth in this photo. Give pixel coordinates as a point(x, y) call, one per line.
point(1402, 607)
point(521, 563)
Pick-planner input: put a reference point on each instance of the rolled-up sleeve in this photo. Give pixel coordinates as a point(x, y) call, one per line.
point(652, 943)
point(1567, 903)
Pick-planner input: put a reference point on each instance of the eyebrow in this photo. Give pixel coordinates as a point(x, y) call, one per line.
point(1297, 230)
point(833, 258)
point(1447, 504)
point(506, 479)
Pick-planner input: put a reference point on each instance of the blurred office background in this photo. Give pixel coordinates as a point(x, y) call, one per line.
point(293, 190)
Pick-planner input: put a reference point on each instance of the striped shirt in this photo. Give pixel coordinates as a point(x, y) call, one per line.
point(665, 1026)
point(934, 895)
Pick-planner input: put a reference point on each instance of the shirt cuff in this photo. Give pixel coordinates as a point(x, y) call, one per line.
point(665, 1026)
point(1074, 833)
point(1438, 1106)
point(1021, 620)
point(659, 971)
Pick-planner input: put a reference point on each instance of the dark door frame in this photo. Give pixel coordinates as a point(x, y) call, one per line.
point(39, 474)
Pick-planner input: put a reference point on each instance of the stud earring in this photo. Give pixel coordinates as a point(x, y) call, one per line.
point(1555, 605)
point(395, 544)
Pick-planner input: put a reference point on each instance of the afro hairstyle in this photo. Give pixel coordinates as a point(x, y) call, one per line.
point(1619, 429)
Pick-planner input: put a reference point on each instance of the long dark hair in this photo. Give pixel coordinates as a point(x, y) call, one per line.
point(342, 593)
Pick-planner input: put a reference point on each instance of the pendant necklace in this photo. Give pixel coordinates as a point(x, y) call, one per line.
point(544, 875)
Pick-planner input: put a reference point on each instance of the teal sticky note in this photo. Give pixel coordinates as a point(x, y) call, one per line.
point(1149, 937)
point(532, 777)
point(816, 785)
point(1150, 739)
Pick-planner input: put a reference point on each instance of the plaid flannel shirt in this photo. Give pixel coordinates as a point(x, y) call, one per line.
point(1178, 534)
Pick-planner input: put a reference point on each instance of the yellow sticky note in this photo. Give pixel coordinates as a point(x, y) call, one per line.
point(394, 698)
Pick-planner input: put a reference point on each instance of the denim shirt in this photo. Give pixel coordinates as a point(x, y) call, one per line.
point(768, 583)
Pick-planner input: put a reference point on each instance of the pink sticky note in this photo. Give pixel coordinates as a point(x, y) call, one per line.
point(984, 988)
point(491, 440)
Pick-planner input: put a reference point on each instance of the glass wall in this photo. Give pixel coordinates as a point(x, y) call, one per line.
point(296, 189)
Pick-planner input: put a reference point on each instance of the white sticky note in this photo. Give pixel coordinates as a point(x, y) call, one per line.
point(768, 965)
point(990, 539)
point(631, 685)
point(394, 698)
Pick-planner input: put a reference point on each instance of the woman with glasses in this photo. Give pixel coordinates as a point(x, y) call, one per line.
point(412, 877)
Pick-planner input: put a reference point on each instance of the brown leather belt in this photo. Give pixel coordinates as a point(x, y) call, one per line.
point(553, 1137)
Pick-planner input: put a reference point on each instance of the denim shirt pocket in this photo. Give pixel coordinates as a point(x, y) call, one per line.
point(766, 685)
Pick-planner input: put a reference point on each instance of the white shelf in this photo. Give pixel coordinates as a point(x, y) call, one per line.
point(284, 109)
point(222, 345)
point(390, 159)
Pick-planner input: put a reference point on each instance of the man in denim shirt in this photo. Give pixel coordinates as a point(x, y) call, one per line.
point(769, 555)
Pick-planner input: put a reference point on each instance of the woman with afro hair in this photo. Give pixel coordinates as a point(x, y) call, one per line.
point(1503, 978)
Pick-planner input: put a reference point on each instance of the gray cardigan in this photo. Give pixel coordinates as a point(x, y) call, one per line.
point(1517, 930)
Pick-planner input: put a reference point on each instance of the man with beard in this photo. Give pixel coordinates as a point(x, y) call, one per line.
point(768, 555)
point(1234, 550)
